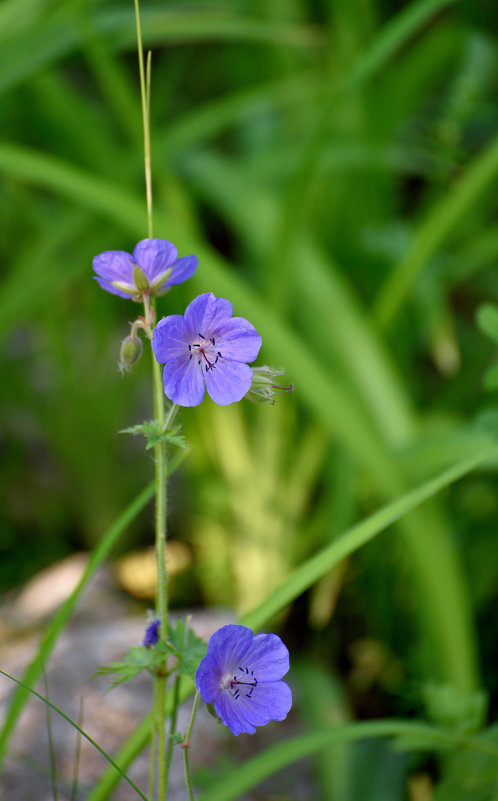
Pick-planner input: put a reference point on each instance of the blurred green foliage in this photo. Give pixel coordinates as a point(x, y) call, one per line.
point(332, 164)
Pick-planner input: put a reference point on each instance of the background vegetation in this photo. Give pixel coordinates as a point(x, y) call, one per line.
point(332, 165)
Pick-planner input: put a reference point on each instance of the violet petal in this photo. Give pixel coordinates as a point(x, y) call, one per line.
point(238, 340)
point(110, 288)
point(183, 269)
point(183, 382)
point(267, 702)
point(169, 340)
point(268, 657)
point(114, 265)
point(206, 313)
point(154, 256)
point(228, 382)
point(231, 714)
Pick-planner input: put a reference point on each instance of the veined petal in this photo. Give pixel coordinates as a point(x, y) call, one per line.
point(183, 269)
point(228, 381)
point(229, 711)
point(205, 314)
point(227, 646)
point(238, 340)
point(208, 678)
point(109, 287)
point(268, 657)
point(267, 702)
point(170, 339)
point(154, 256)
point(183, 383)
point(114, 265)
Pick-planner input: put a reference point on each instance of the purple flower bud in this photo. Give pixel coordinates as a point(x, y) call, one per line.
point(151, 633)
point(241, 675)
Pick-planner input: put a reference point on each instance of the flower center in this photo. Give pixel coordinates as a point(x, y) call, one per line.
point(205, 352)
point(242, 683)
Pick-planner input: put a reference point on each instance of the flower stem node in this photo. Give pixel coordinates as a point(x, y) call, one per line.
point(130, 351)
point(263, 387)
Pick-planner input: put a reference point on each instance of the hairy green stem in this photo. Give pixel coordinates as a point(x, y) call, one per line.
point(186, 748)
point(160, 454)
point(173, 718)
point(162, 578)
point(162, 788)
point(153, 745)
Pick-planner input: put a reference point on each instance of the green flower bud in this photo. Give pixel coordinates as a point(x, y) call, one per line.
point(130, 352)
point(263, 387)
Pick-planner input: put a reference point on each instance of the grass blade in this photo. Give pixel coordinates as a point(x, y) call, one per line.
point(358, 535)
point(434, 230)
point(74, 788)
point(60, 619)
point(80, 730)
point(299, 581)
point(53, 769)
point(253, 771)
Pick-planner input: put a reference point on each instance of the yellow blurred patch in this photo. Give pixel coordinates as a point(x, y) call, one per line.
point(136, 570)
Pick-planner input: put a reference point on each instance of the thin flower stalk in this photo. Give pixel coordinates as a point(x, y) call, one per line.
point(186, 748)
point(160, 466)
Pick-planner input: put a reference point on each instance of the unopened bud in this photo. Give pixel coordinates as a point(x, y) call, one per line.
point(151, 633)
point(130, 352)
point(263, 387)
point(140, 279)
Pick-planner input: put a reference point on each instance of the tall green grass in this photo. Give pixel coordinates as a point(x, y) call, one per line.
point(332, 165)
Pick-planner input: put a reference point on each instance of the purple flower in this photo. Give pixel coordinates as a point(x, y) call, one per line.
point(153, 268)
point(241, 674)
point(208, 348)
point(151, 633)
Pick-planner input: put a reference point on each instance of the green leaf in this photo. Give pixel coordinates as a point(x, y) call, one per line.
point(487, 320)
point(471, 775)
point(154, 434)
point(491, 378)
point(487, 420)
point(450, 706)
point(137, 659)
point(189, 649)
